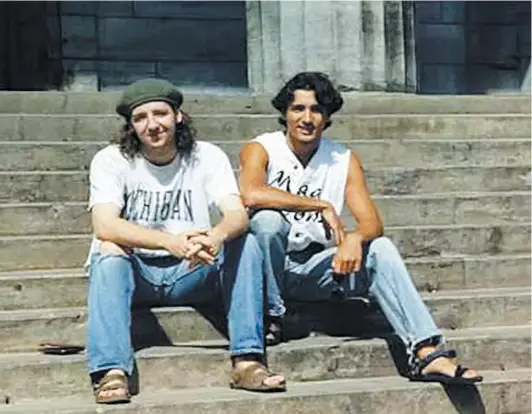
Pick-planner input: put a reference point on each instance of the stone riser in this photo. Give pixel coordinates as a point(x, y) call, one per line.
point(500, 393)
point(231, 127)
point(361, 103)
point(313, 359)
point(64, 288)
point(60, 156)
point(23, 330)
point(66, 218)
point(40, 186)
point(49, 252)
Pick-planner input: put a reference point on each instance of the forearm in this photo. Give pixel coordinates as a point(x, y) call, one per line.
point(268, 197)
point(233, 224)
point(124, 233)
point(368, 231)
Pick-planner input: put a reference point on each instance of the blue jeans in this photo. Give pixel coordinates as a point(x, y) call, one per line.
point(119, 281)
point(310, 278)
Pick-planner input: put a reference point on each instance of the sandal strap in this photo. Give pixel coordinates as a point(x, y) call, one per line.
point(460, 370)
point(255, 373)
point(420, 364)
point(110, 382)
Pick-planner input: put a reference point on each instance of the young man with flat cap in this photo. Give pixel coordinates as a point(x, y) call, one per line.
point(150, 195)
point(295, 182)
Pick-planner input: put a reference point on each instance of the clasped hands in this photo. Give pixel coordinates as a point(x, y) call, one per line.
point(200, 246)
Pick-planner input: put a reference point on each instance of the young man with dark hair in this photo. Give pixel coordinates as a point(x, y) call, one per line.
point(295, 182)
point(150, 195)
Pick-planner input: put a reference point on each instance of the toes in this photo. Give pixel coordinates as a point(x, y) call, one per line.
point(274, 380)
point(470, 373)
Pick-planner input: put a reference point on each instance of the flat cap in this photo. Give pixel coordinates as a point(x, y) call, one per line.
point(147, 90)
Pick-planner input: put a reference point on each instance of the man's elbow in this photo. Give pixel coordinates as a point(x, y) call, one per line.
point(251, 199)
point(103, 231)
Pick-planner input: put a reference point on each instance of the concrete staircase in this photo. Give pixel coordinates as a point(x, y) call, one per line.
point(451, 176)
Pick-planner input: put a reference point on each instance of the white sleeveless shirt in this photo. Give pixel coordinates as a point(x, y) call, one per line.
point(324, 177)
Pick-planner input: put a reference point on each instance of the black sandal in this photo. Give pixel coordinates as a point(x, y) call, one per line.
point(274, 330)
point(458, 379)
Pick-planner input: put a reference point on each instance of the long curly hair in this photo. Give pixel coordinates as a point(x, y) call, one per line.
point(129, 143)
point(326, 94)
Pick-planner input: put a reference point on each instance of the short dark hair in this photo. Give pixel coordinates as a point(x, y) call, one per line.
point(326, 94)
point(129, 143)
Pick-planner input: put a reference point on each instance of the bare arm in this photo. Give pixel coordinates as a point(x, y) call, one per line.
point(235, 219)
point(359, 202)
point(257, 194)
point(109, 226)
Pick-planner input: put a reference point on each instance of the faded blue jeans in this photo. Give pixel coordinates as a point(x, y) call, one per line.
point(117, 282)
point(309, 277)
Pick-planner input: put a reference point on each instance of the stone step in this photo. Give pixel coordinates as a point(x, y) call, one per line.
point(63, 186)
point(54, 156)
point(23, 330)
point(361, 103)
point(228, 127)
point(501, 392)
point(56, 288)
point(439, 209)
point(207, 364)
point(65, 251)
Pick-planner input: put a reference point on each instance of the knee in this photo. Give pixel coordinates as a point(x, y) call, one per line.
point(269, 223)
point(382, 246)
point(112, 249)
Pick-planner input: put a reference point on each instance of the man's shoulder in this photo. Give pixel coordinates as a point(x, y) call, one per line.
point(111, 151)
point(335, 147)
point(268, 137)
point(110, 155)
point(206, 149)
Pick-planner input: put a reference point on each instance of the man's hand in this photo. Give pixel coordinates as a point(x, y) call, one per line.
point(211, 243)
point(333, 224)
point(348, 258)
point(181, 245)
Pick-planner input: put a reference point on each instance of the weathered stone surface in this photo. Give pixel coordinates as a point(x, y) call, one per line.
point(309, 359)
point(47, 251)
point(440, 43)
point(79, 36)
point(43, 253)
point(460, 240)
point(495, 208)
point(207, 74)
point(242, 127)
point(49, 187)
point(447, 179)
point(425, 153)
point(226, 10)
point(68, 186)
point(501, 392)
point(22, 330)
point(27, 156)
point(68, 287)
point(124, 38)
point(354, 103)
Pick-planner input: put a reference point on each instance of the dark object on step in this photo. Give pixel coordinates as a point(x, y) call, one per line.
point(53, 348)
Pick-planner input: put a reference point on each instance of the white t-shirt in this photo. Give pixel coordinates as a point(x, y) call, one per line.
point(175, 197)
point(324, 177)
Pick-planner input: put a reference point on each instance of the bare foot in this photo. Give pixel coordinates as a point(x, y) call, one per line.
point(273, 381)
point(109, 391)
point(442, 365)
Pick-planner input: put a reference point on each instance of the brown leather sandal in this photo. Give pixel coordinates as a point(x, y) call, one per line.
point(252, 378)
point(111, 382)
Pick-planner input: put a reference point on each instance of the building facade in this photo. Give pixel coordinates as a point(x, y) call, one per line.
point(444, 47)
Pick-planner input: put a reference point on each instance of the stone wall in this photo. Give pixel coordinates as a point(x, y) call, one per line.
point(111, 43)
point(472, 47)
